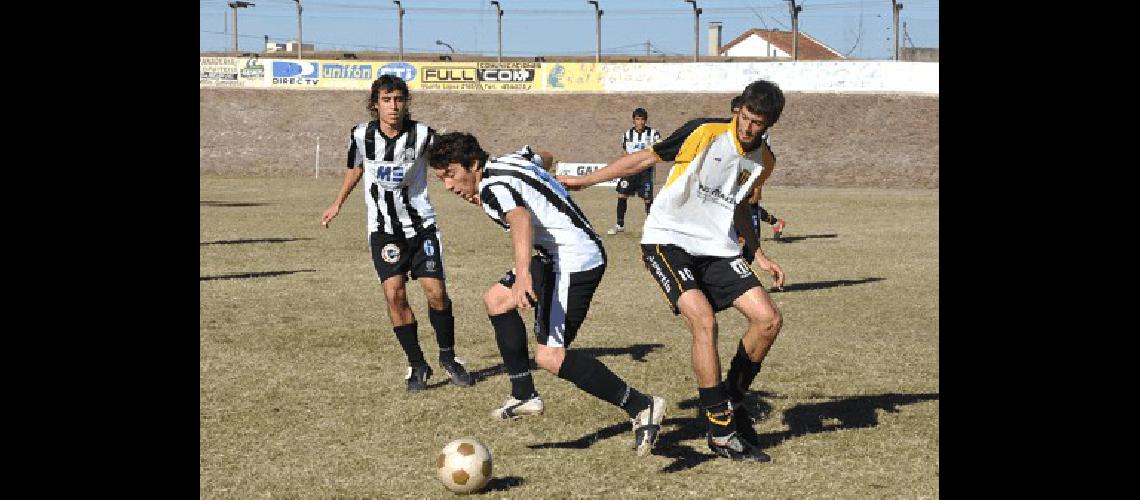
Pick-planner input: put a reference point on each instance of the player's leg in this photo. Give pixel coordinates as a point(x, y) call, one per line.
point(562, 307)
point(390, 258)
point(510, 336)
point(624, 188)
point(776, 222)
point(729, 281)
point(646, 191)
point(427, 268)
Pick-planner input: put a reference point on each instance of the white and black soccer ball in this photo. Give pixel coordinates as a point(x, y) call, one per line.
point(464, 465)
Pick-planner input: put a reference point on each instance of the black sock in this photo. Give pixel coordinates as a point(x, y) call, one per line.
point(648, 202)
point(596, 379)
point(718, 410)
point(510, 335)
point(740, 374)
point(410, 342)
point(621, 211)
point(444, 324)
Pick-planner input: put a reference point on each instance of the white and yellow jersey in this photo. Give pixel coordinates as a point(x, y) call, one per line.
point(712, 174)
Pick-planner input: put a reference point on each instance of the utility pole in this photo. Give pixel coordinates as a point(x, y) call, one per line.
point(298, 28)
point(795, 10)
point(696, 30)
point(235, 6)
point(499, 17)
point(598, 29)
point(647, 48)
point(400, 11)
point(896, 7)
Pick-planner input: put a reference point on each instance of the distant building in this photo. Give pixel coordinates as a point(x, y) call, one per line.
point(291, 46)
point(274, 47)
point(771, 43)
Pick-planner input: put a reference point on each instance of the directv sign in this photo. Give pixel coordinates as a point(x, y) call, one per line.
point(405, 71)
point(300, 73)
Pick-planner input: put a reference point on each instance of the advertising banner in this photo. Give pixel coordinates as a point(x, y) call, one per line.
point(218, 72)
point(571, 77)
point(563, 168)
point(477, 76)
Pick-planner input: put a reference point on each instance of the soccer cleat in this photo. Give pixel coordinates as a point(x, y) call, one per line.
point(457, 372)
point(417, 377)
point(514, 408)
point(735, 448)
point(616, 229)
point(778, 229)
point(647, 425)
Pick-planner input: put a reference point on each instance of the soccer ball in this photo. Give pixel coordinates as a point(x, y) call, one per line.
point(464, 465)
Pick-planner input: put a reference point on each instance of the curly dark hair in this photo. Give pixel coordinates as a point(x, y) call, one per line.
point(455, 147)
point(735, 104)
point(764, 97)
point(641, 112)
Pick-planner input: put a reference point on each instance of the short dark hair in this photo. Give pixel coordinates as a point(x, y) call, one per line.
point(455, 147)
point(765, 98)
point(641, 112)
point(736, 103)
point(385, 83)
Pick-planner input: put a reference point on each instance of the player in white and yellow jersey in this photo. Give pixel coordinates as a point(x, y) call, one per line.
point(689, 244)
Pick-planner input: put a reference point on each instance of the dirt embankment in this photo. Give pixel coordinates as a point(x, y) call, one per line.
point(821, 140)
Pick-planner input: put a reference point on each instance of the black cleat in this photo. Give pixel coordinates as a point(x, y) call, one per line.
point(457, 372)
point(736, 449)
point(417, 377)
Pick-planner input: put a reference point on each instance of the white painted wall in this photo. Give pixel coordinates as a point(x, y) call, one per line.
point(754, 46)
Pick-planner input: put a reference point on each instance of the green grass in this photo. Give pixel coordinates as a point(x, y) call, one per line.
point(301, 379)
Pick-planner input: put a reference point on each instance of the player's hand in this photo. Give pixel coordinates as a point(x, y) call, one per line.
point(329, 214)
point(771, 267)
point(523, 292)
point(571, 182)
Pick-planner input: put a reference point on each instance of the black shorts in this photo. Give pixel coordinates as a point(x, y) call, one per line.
point(421, 255)
point(563, 299)
point(722, 279)
point(640, 184)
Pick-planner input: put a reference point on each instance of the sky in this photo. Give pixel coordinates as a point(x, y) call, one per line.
point(860, 29)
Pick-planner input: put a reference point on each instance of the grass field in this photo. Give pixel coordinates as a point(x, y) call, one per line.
point(301, 379)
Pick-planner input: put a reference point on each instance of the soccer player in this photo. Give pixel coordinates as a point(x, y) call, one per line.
point(388, 152)
point(689, 245)
point(639, 137)
point(758, 212)
point(558, 263)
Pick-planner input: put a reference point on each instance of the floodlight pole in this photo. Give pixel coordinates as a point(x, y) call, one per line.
point(441, 42)
point(597, 30)
point(499, 17)
point(895, 8)
point(298, 28)
point(696, 30)
point(795, 10)
point(400, 11)
point(235, 6)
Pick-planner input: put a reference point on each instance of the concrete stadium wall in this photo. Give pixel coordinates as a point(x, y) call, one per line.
point(822, 139)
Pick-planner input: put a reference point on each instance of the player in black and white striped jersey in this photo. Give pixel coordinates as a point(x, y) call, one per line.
point(558, 264)
point(639, 137)
point(389, 153)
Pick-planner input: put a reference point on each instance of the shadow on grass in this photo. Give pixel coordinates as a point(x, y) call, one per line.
point(209, 203)
point(854, 412)
point(820, 285)
point(262, 240)
point(502, 484)
point(637, 352)
point(244, 276)
point(793, 239)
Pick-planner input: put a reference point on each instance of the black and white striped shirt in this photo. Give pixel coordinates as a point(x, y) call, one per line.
point(395, 177)
point(633, 141)
point(561, 230)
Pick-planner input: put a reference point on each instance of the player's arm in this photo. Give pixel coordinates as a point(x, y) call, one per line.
point(627, 165)
point(522, 244)
point(742, 220)
point(351, 178)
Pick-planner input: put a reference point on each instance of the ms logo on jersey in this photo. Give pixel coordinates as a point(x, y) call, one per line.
point(741, 267)
point(389, 175)
point(429, 249)
point(390, 253)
